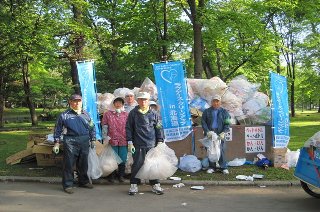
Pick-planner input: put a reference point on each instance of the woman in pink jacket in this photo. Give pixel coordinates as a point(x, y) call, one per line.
point(114, 133)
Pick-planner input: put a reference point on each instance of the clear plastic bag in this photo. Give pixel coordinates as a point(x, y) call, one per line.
point(213, 147)
point(94, 169)
point(190, 163)
point(292, 158)
point(160, 163)
point(237, 162)
point(109, 161)
point(129, 163)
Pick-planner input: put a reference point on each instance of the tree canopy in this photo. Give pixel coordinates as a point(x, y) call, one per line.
point(42, 39)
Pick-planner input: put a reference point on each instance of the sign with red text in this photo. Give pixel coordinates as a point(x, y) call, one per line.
point(255, 139)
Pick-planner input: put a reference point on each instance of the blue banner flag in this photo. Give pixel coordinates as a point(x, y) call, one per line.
point(279, 110)
point(172, 93)
point(87, 81)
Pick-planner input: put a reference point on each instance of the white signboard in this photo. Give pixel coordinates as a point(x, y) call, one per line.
point(228, 135)
point(255, 139)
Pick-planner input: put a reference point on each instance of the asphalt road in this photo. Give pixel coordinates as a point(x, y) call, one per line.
point(30, 196)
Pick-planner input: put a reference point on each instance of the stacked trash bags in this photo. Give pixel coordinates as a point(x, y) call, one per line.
point(160, 163)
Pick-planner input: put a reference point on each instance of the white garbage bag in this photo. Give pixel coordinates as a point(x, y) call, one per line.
point(237, 162)
point(94, 169)
point(160, 163)
point(149, 87)
point(292, 158)
point(213, 147)
point(109, 161)
point(190, 163)
point(242, 88)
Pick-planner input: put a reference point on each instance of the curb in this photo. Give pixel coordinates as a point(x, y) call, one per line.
point(259, 183)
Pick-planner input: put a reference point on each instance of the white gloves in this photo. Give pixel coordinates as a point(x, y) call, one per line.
point(131, 148)
point(56, 148)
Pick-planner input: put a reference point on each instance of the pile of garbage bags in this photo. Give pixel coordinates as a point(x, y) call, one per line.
point(240, 98)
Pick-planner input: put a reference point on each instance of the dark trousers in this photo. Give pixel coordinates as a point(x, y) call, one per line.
point(76, 150)
point(138, 160)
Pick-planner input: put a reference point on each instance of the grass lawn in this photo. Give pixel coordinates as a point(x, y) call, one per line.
point(302, 127)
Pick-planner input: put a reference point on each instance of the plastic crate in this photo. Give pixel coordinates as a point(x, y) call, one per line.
point(307, 169)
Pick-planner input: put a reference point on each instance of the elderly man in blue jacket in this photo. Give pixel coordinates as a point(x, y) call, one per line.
point(216, 119)
point(78, 134)
point(143, 132)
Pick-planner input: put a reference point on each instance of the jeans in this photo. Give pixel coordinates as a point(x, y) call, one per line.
point(75, 151)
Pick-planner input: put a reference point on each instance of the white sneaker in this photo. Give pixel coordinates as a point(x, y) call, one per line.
point(225, 171)
point(210, 171)
point(156, 188)
point(133, 189)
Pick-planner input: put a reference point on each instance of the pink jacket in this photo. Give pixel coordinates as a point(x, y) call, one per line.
point(116, 123)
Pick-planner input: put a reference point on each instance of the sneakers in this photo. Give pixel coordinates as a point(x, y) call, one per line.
point(69, 190)
point(133, 189)
point(87, 185)
point(157, 189)
point(225, 171)
point(210, 171)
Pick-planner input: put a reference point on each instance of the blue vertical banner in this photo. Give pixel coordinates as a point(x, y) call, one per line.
point(172, 93)
point(87, 81)
point(279, 110)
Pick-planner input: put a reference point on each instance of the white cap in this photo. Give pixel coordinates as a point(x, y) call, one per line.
point(216, 97)
point(152, 103)
point(143, 95)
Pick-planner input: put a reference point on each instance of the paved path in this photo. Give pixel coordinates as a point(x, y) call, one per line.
point(33, 196)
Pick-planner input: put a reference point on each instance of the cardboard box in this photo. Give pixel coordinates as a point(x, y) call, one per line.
point(236, 148)
point(45, 157)
point(49, 160)
point(18, 157)
point(279, 157)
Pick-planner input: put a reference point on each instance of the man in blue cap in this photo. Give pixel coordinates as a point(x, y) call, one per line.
point(78, 134)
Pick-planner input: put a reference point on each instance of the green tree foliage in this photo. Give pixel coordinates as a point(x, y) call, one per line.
point(41, 40)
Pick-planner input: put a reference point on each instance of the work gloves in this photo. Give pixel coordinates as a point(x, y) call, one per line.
point(210, 134)
point(221, 136)
point(131, 148)
point(56, 148)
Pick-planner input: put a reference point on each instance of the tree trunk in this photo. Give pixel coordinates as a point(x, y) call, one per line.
point(197, 37)
point(293, 113)
point(27, 91)
point(74, 76)
point(165, 31)
point(319, 106)
point(219, 66)
point(79, 43)
point(1, 98)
